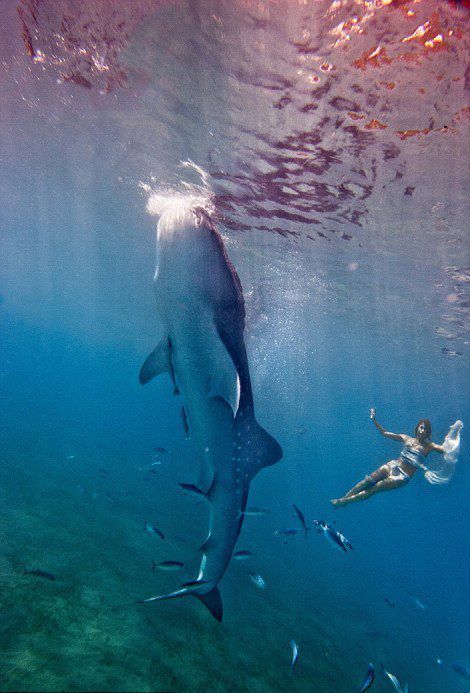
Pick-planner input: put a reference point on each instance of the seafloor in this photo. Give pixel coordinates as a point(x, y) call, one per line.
point(85, 631)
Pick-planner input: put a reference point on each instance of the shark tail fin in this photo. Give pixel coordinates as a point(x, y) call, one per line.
point(158, 361)
point(213, 602)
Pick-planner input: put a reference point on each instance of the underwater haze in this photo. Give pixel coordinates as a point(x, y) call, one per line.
point(329, 143)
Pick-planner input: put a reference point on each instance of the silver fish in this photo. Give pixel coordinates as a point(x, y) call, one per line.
point(369, 678)
point(258, 581)
point(167, 565)
point(254, 511)
point(242, 555)
point(289, 531)
point(301, 519)
point(419, 604)
point(336, 538)
point(151, 529)
point(395, 682)
point(295, 654)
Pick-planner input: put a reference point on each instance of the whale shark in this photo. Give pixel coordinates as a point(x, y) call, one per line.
point(200, 302)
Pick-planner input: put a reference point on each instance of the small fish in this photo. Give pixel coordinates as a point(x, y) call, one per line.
point(451, 352)
point(184, 419)
point(389, 602)
point(462, 671)
point(39, 573)
point(162, 451)
point(439, 661)
point(150, 467)
point(151, 529)
point(287, 532)
point(194, 490)
point(419, 604)
point(70, 457)
point(295, 655)
point(254, 511)
point(258, 581)
point(242, 555)
point(395, 682)
point(334, 537)
point(369, 679)
point(167, 565)
point(301, 518)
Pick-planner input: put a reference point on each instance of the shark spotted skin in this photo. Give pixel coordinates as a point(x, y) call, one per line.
point(200, 302)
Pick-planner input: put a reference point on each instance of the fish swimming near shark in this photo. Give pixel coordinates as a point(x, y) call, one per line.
point(301, 519)
point(39, 573)
point(369, 678)
point(395, 682)
point(151, 529)
point(255, 511)
point(200, 302)
point(288, 532)
point(462, 671)
point(334, 537)
point(418, 603)
point(242, 555)
point(295, 655)
point(167, 565)
point(258, 581)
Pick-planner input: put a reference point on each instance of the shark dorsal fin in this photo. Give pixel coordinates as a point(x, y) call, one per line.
point(225, 381)
point(261, 449)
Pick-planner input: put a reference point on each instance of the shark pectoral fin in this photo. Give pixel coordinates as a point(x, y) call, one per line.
point(212, 601)
point(158, 361)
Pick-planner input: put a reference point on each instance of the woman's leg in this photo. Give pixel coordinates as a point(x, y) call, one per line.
point(387, 484)
point(379, 474)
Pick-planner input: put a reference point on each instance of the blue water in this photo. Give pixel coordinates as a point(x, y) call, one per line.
point(373, 311)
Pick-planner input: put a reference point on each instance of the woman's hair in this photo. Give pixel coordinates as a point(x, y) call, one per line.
point(427, 425)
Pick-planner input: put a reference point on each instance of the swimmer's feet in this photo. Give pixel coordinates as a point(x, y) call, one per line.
point(338, 502)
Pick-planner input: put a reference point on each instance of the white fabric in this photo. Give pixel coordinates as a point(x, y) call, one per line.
point(443, 473)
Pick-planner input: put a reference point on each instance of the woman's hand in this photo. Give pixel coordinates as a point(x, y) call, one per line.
point(372, 414)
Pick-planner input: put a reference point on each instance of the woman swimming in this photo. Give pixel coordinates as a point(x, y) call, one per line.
point(397, 472)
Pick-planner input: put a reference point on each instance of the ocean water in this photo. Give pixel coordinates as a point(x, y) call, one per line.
point(330, 141)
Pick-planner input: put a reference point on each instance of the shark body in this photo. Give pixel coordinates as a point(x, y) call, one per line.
point(200, 302)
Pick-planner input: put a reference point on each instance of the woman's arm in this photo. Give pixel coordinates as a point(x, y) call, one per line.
point(382, 431)
point(454, 432)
